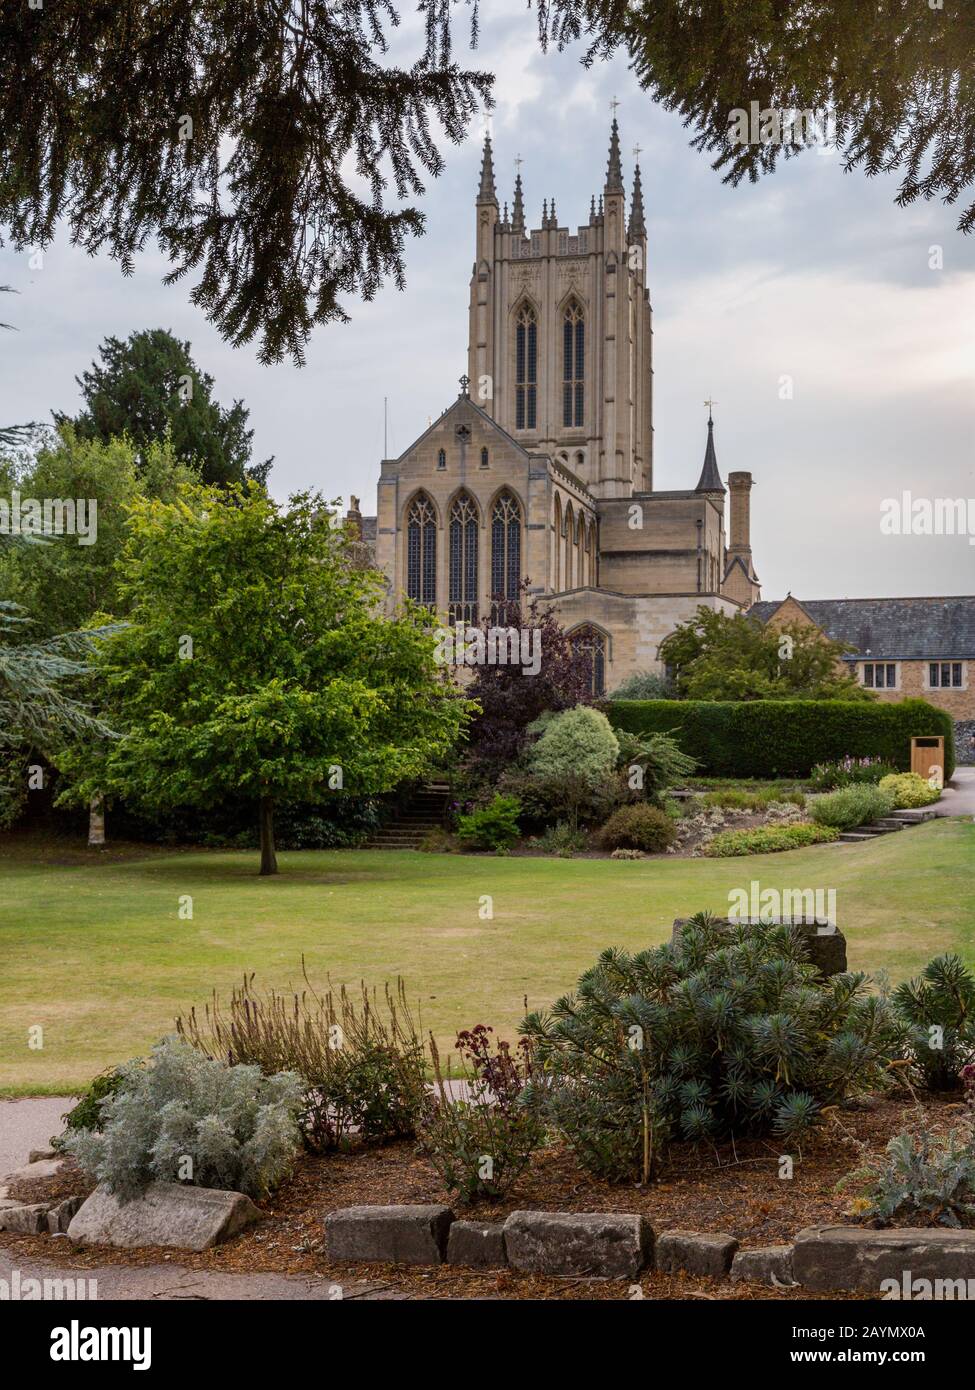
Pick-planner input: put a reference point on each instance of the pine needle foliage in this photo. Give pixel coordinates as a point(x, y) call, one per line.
point(725, 1031)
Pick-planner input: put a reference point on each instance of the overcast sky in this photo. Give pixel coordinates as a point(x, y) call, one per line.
point(811, 273)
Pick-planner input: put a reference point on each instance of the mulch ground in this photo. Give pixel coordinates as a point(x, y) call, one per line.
point(735, 1190)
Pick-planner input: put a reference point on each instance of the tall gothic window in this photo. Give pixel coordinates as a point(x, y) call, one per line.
point(589, 640)
point(506, 548)
point(421, 552)
point(573, 365)
point(463, 561)
point(526, 367)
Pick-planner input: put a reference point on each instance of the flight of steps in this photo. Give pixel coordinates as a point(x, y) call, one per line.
point(897, 820)
point(408, 827)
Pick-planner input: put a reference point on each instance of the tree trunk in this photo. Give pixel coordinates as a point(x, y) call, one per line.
point(269, 860)
point(96, 822)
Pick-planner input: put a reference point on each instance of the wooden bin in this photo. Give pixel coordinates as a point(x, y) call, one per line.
point(928, 753)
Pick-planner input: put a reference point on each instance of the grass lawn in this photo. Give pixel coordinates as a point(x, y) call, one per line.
point(96, 954)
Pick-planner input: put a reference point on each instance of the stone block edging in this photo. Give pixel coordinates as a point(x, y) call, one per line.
point(621, 1245)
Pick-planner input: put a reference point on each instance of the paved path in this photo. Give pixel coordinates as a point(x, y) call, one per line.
point(173, 1282)
point(28, 1124)
point(958, 797)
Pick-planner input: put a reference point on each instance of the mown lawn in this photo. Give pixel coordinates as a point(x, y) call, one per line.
point(96, 954)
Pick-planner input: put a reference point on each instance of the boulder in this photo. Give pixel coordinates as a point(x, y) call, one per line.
point(827, 944)
point(478, 1244)
point(408, 1235)
point(59, 1216)
point(166, 1213)
point(26, 1219)
point(38, 1155)
point(695, 1254)
point(610, 1245)
point(852, 1258)
point(766, 1264)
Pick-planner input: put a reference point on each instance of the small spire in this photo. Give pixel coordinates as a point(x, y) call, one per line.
point(600, 213)
point(486, 193)
point(518, 207)
point(638, 223)
point(504, 215)
point(614, 172)
point(544, 212)
point(553, 221)
point(710, 477)
point(592, 209)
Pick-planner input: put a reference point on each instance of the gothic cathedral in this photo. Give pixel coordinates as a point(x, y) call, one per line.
point(541, 471)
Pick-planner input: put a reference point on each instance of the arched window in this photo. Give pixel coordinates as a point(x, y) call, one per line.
point(589, 640)
point(573, 365)
point(442, 459)
point(526, 367)
point(421, 552)
point(462, 598)
point(484, 458)
point(506, 548)
point(579, 555)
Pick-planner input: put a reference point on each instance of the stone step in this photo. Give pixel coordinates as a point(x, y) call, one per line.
point(914, 815)
point(850, 837)
point(889, 823)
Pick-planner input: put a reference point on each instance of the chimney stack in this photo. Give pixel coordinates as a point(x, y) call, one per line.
point(740, 487)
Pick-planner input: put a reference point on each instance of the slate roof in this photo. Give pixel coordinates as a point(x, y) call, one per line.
point(904, 629)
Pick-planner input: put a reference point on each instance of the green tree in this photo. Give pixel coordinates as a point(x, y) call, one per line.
point(64, 583)
point(256, 661)
point(716, 657)
point(149, 388)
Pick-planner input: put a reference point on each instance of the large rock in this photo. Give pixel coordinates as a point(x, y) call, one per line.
point(37, 1168)
point(765, 1264)
point(710, 1255)
point(60, 1216)
point(404, 1235)
point(610, 1245)
point(167, 1213)
point(851, 1258)
point(827, 944)
point(26, 1219)
point(477, 1244)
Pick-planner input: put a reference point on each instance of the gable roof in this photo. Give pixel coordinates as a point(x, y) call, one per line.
point(464, 401)
point(906, 629)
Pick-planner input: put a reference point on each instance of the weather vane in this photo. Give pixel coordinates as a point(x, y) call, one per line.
point(613, 105)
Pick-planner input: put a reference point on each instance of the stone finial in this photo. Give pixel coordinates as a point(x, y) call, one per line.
point(638, 223)
point(486, 193)
point(614, 172)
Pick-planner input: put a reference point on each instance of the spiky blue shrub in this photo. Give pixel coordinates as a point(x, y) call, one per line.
point(183, 1117)
point(725, 1031)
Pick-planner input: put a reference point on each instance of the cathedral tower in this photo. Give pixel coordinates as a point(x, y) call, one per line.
point(560, 331)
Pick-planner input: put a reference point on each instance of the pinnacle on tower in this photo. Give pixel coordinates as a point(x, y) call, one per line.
point(710, 480)
point(592, 209)
point(553, 221)
point(518, 207)
point(486, 193)
point(544, 212)
point(638, 223)
point(614, 172)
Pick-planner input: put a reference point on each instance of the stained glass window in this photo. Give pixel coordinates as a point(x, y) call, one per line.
point(462, 599)
point(421, 552)
point(506, 548)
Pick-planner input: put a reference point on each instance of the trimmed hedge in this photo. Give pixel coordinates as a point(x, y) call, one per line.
point(786, 738)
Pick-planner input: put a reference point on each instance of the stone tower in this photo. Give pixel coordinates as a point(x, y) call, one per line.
point(560, 331)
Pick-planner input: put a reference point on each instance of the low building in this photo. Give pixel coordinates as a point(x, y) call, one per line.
point(899, 647)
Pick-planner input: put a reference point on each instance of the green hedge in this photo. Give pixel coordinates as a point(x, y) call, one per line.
point(786, 738)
